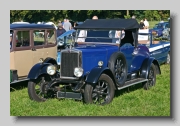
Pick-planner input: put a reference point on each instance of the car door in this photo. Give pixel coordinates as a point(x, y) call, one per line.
point(157, 51)
point(21, 54)
point(39, 46)
point(51, 47)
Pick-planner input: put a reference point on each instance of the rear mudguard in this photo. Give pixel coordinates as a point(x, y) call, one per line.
point(146, 67)
point(37, 70)
point(95, 73)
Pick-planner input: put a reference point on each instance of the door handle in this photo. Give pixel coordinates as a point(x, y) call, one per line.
point(33, 49)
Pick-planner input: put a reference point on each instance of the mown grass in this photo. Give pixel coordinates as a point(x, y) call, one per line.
point(152, 24)
point(133, 101)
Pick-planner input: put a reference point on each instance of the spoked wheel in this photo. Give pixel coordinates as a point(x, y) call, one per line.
point(102, 93)
point(168, 58)
point(151, 78)
point(118, 66)
point(38, 91)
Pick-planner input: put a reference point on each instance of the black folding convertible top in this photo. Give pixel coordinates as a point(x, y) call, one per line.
point(114, 24)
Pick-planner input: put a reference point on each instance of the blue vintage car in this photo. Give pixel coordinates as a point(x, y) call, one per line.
point(158, 28)
point(160, 50)
point(91, 70)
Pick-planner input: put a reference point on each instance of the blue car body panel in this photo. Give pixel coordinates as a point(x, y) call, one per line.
point(159, 50)
point(66, 33)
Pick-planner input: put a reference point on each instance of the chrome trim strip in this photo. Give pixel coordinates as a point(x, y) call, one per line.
point(71, 78)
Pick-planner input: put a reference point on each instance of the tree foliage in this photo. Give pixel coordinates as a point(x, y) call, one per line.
point(34, 16)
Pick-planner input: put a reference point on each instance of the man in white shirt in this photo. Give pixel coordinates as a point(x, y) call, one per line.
point(83, 33)
point(67, 25)
point(146, 23)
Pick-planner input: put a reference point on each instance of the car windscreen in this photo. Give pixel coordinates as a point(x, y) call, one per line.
point(104, 36)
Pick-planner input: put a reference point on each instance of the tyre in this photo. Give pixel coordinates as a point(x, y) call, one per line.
point(151, 78)
point(168, 58)
point(117, 64)
point(37, 90)
point(102, 93)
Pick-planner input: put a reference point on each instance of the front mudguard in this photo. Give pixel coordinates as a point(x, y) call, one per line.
point(146, 67)
point(37, 70)
point(95, 73)
point(50, 60)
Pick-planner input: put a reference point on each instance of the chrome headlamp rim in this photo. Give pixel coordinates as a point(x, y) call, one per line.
point(100, 63)
point(78, 69)
point(51, 67)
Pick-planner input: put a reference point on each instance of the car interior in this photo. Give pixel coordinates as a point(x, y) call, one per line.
point(107, 36)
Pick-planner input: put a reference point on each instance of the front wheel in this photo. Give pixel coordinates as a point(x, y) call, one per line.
point(102, 93)
point(151, 78)
point(37, 89)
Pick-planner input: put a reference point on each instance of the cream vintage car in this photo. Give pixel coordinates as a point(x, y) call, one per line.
point(30, 44)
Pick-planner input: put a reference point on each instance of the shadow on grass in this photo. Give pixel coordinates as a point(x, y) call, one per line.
point(18, 86)
point(128, 89)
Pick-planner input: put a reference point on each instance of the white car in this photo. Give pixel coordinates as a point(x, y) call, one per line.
point(51, 23)
point(20, 22)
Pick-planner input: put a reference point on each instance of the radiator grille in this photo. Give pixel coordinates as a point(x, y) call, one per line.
point(69, 60)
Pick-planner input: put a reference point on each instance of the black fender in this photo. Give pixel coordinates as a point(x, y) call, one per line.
point(95, 73)
point(146, 66)
point(37, 70)
point(50, 60)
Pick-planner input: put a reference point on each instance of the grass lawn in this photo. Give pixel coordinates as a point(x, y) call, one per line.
point(152, 24)
point(133, 102)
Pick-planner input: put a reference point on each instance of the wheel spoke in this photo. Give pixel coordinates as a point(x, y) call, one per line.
point(104, 88)
point(102, 84)
point(94, 95)
point(103, 93)
point(40, 92)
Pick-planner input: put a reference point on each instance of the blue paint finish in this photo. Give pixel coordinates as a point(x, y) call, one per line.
point(159, 28)
point(66, 34)
point(146, 66)
point(59, 58)
point(95, 73)
point(142, 53)
point(159, 51)
point(92, 54)
point(37, 70)
point(128, 52)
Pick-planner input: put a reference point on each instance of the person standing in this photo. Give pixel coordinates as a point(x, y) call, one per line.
point(59, 22)
point(60, 30)
point(83, 33)
point(10, 41)
point(133, 17)
point(95, 17)
point(146, 23)
point(67, 25)
point(141, 24)
point(63, 21)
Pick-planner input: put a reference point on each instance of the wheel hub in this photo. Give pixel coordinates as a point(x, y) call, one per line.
point(43, 87)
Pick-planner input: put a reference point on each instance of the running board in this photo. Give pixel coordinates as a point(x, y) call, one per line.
point(132, 82)
point(70, 95)
point(17, 81)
